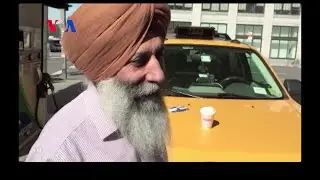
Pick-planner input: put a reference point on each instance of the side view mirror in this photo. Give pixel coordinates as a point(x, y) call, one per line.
point(293, 87)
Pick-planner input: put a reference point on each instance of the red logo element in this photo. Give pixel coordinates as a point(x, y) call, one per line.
point(52, 26)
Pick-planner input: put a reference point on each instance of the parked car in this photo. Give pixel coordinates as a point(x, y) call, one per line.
point(54, 45)
point(257, 117)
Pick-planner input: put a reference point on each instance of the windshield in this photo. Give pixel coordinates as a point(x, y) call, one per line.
point(217, 72)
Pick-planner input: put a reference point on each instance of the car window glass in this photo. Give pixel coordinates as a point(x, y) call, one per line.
point(208, 71)
point(261, 74)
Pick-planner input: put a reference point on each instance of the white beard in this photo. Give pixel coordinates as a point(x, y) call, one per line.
point(140, 114)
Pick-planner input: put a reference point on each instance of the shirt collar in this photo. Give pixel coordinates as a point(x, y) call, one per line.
point(101, 120)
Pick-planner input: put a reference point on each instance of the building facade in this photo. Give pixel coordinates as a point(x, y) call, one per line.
point(274, 29)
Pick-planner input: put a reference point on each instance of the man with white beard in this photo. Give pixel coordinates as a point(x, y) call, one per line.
point(121, 115)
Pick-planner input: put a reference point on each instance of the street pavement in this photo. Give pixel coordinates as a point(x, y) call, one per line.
point(288, 72)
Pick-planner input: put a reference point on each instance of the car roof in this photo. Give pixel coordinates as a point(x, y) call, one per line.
point(207, 42)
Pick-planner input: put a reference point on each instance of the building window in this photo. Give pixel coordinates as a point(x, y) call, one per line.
point(257, 8)
point(221, 28)
point(287, 8)
point(215, 7)
point(284, 42)
point(180, 6)
point(174, 24)
point(250, 34)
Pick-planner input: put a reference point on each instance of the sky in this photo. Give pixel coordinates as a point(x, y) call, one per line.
point(54, 13)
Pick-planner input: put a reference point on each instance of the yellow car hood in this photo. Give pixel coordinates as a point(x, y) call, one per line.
point(247, 130)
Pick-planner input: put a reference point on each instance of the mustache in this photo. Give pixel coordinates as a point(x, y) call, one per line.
point(143, 89)
point(132, 95)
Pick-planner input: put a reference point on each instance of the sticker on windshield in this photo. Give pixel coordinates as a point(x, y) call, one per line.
point(203, 75)
point(187, 47)
point(259, 90)
point(205, 58)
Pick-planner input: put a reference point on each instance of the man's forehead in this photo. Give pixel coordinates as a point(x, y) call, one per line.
point(152, 43)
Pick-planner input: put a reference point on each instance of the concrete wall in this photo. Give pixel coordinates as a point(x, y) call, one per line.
point(29, 15)
point(232, 18)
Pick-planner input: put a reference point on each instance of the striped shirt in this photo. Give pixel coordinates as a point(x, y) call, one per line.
point(81, 132)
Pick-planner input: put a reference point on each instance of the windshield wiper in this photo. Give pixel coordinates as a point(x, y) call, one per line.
point(184, 94)
point(262, 84)
point(230, 95)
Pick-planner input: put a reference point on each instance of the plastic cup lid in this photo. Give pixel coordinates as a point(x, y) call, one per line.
point(207, 110)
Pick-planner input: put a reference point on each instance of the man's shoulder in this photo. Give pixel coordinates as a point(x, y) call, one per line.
point(60, 129)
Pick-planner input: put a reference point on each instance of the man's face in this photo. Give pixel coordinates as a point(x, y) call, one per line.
point(145, 66)
point(134, 100)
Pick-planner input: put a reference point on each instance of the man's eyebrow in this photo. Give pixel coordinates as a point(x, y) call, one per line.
point(139, 55)
point(145, 54)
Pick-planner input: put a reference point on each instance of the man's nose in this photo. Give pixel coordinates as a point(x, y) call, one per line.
point(154, 72)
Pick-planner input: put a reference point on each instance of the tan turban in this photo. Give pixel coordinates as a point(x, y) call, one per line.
point(108, 35)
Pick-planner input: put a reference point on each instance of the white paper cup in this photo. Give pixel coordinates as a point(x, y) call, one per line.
point(207, 116)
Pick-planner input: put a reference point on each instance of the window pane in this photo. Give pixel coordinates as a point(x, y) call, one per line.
point(171, 26)
point(188, 5)
point(224, 6)
point(206, 6)
point(240, 29)
point(215, 7)
point(283, 49)
point(259, 9)
point(251, 7)
point(242, 7)
point(257, 43)
point(274, 49)
point(241, 40)
point(292, 49)
point(215, 26)
point(295, 11)
point(170, 4)
point(278, 6)
point(260, 4)
point(248, 41)
point(248, 28)
point(275, 31)
point(204, 25)
point(222, 28)
point(180, 5)
point(284, 32)
point(257, 31)
point(183, 24)
point(286, 6)
point(296, 5)
point(294, 32)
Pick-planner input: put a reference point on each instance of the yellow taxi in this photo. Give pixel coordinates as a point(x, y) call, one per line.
point(258, 118)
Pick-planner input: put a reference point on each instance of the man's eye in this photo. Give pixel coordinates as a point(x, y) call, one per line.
point(139, 62)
